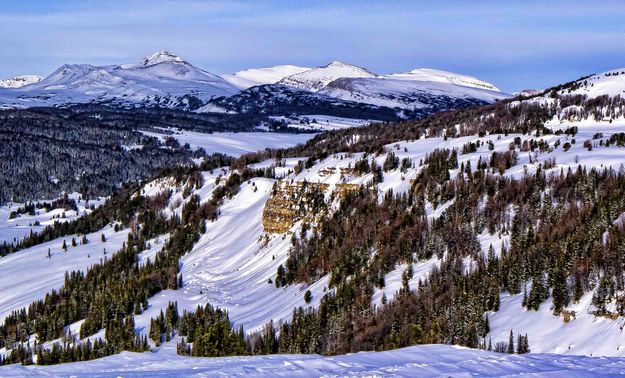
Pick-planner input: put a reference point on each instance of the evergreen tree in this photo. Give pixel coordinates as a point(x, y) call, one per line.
point(510, 349)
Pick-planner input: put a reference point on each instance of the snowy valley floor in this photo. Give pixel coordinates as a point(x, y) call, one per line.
point(417, 361)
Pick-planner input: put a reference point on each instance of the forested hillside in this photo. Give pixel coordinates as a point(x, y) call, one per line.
point(371, 238)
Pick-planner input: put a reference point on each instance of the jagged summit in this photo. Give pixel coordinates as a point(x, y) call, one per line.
point(160, 57)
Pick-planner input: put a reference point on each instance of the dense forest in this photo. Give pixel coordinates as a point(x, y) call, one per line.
point(92, 149)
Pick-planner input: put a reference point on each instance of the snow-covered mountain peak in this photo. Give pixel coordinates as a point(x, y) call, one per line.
point(20, 81)
point(160, 57)
point(318, 78)
point(338, 63)
point(347, 70)
point(162, 78)
point(430, 74)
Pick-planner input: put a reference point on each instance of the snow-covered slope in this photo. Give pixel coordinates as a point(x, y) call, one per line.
point(233, 263)
point(439, 76)
point(33, 274)
point(162, 78)
point(317, 78)
point(583, 333)
point(417, 361)
point(611, 83)
point(19, 81)
point(259, 76)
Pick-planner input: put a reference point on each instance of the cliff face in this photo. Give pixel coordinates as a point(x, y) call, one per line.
point(300, 200)
point(292, 201)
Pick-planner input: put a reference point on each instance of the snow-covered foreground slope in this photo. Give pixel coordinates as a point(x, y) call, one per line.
point(581, 334)
point(235, 144)
point(418, 361)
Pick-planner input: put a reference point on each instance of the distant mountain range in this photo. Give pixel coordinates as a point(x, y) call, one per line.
point(166, 80)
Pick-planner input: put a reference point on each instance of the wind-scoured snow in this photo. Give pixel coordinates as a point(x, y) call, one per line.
point(164, 79)
point(259, 76)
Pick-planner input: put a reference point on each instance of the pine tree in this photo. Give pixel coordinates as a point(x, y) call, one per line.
point(539, 291)
point(280, 276)
point(453, 159)
point(511, 344)
point(560, 291)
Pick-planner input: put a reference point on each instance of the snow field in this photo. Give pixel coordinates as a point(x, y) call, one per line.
point(416, 361)
point(235, 144)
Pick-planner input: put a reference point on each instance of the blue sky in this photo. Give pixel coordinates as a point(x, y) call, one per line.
point(515, 45)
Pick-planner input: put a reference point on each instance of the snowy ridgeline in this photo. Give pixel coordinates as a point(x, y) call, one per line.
point(418, 361)
point(167, 80)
